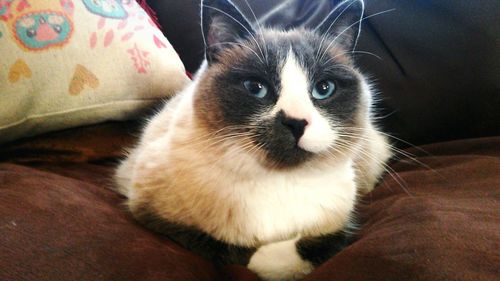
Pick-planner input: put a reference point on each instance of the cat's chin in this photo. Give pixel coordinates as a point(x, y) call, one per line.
point(287, 159)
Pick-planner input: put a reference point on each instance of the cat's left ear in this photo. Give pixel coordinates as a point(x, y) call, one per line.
point(222, 24)
point(343, 24)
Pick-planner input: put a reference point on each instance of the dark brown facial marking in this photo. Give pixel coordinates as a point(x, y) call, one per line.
point(236, 53)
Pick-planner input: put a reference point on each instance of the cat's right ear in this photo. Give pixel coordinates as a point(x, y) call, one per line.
point(222, 24)
point(343, 24)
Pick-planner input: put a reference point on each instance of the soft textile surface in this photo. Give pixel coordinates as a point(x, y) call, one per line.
point(66, 63)
point(60, 219)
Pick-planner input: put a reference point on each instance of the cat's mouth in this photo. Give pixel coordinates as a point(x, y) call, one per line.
point(281, 149)
point(288, 158)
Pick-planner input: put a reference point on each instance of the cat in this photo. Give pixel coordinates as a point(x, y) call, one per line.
point(260, 160)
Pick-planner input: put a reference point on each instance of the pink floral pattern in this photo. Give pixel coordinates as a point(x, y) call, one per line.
point(124, 29)
point(139, 57)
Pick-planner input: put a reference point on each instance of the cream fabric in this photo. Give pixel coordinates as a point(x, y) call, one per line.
point(66, 63)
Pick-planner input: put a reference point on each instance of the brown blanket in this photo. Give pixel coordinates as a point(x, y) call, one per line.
point(61, 220)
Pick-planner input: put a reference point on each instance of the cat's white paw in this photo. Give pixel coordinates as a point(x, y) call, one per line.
point(279, 261)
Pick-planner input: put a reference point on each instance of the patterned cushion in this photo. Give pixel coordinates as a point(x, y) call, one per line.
point(66, 63)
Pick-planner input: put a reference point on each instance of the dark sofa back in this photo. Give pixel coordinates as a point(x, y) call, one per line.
point(439, 68)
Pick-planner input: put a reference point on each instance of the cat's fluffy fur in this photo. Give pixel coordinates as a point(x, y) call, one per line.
point(215, 160)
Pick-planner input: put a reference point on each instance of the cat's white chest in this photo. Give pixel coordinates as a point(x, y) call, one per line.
point(282, 206)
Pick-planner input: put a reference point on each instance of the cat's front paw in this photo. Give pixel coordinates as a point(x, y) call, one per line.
point(279, 261)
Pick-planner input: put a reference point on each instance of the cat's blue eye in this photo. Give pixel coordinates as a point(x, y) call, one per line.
point(256, 88)
point(323, 89)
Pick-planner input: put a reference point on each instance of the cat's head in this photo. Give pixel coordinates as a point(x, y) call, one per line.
point(285, 96)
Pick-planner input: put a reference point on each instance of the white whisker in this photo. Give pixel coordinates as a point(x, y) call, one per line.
point(350, 26)
point(241, 45)
point(260, 30)
point(352, 52)
point(325, 35)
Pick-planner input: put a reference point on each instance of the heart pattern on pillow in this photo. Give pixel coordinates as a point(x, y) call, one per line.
point(19, 69)
point(81, 78)
point(66, 63)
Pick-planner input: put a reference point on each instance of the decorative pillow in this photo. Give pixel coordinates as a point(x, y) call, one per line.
point(65, 63)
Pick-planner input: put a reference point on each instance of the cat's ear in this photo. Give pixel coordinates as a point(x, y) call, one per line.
point(343, 24)
point(222, 24)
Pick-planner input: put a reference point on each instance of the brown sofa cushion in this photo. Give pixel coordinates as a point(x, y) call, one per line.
point(60, 219)
point(445, 227)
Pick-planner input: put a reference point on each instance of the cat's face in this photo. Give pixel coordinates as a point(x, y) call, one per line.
point(285, 96)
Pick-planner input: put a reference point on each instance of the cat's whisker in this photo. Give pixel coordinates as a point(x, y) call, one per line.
point(367, 53)
point(229, 127)
point(240, 45)
point(335, 150)
point(348, 146)
point(232, 150)
point(396, 151)
point(219, 140)
point(359, 27)
point(378, 100)
point(208, 137)
point(254, 149)
point(386, 134)
point(248, 147)
point(326, 34)
point(349, 27)
point(260, 30)
point(390, 171)
point(351, 52)
point(227, 137)
point(391, 137)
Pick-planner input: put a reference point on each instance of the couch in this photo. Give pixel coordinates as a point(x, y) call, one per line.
point(436, 216)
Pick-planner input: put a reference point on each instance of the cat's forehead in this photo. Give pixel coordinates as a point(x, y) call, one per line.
point(271, 45)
